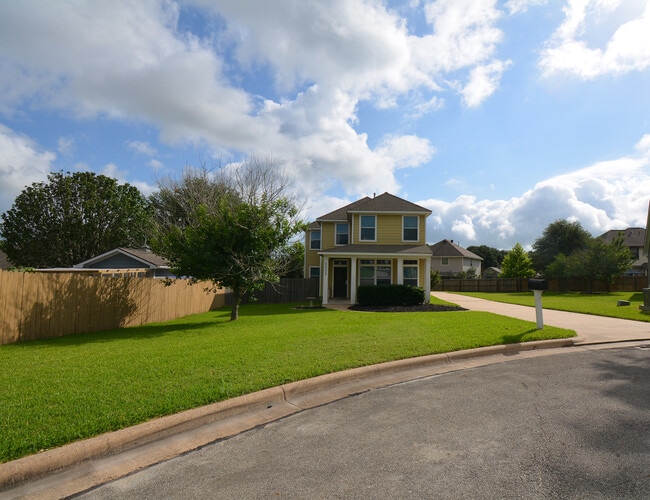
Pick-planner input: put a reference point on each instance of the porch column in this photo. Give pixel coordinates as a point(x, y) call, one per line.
point(427, 280)
point(325, 278)
point(353, 280)
point(400, 271)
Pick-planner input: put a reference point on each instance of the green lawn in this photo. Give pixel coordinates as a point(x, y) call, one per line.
point(57, 391)
point(596, 304)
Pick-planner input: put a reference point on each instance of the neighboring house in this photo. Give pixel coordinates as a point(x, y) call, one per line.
point(129, 262)
point(4, 261)
point(372, 241)
point(449, 259)
point(634, 239)
point(491, 273)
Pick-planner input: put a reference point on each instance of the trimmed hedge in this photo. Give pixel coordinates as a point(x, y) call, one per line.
point(390, 295)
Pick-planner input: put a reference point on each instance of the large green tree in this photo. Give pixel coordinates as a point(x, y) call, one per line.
point(559, 237)
point(598, 261)
point(230, 229)
point(71, 218)
point(517, 264)
point(492, 257)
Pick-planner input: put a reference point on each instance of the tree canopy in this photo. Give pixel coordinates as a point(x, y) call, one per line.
point(517, 264)
point(492, 257)
point(71, 218)
point(598, 261)
point(559, 237)
point(230, 228)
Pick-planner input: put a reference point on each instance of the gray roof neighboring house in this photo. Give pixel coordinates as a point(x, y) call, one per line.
point(634, 236)
point(123, 258)
point(447, 248)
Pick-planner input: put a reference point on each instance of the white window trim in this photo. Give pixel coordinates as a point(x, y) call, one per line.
point(417, 228)
point(336, 233)
point(314, 267)
point(361, 227)
point(320, 240)
point(442, 261)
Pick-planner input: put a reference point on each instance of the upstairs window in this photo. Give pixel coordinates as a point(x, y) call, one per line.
point(342, 234)
point(368, 228)
point(410, 228)
point(314, 240)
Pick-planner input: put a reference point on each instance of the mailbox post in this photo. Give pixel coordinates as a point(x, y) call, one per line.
point(538, 286)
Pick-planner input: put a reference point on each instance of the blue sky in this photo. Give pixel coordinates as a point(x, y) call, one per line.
point(499, 116)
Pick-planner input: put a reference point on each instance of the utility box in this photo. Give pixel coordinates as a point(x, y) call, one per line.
point(537, 284)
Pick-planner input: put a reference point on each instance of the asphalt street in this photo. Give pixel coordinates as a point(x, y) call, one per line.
point(569, 425)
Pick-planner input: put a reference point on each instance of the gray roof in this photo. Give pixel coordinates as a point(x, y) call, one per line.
point(142, 254)
point(365, 249)
point(383, 203)
point(634, 236)
point(447, 248)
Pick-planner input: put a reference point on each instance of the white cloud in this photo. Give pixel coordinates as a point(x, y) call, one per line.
point(22, 163)
point(519, 6)
point(143, 148)
point(406, 150)
point(608, 195)
point(65, 145)
point(483, 82)
point(626, 49)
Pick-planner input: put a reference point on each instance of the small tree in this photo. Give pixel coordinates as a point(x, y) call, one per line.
point(229, 229)
point(71, 218)
point(517, 264)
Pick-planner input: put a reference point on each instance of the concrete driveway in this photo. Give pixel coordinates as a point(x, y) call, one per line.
point(569, 425)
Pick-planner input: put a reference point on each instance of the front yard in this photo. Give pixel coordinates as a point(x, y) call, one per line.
point(596, 304)
point(57, 391)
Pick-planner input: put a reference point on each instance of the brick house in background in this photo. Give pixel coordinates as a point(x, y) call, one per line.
point(372, 241)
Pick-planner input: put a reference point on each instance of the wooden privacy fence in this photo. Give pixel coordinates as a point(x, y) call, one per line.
point(509, 285)
point(44, 305)
point(288, 290)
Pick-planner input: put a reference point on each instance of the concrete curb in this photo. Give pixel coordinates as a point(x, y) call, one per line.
point(200, 426)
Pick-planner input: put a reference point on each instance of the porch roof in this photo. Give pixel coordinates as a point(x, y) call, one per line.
point(385, 250)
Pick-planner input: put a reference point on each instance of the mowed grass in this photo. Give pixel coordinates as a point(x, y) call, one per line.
point(57, 391)
point(596, 304)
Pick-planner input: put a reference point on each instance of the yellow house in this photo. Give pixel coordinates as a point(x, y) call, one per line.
point(372, 241)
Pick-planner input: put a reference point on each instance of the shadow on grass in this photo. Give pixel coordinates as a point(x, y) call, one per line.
point(519, 337)
point(142, 332)
point(636, 297)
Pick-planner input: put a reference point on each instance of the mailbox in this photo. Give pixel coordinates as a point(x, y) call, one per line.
point(537, 284)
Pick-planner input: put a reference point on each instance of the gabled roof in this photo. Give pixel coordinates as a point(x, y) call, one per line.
point(143, 255)
point(633, 236)
point(388, 203)
point(447, 248)
point(341, 214)
point(383, 203)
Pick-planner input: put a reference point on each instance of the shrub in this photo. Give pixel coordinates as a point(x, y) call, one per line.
point(390, 295)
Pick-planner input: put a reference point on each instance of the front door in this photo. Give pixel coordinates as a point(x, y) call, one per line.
point(340, 282)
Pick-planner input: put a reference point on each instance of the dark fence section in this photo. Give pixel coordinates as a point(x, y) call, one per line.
point(288, 290)
point(511, 285)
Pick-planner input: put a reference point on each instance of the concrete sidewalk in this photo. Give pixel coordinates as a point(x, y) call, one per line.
point(590, 329)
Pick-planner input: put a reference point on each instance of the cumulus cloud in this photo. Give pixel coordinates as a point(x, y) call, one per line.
point(132, 61)
point(22, 163)
point(626, 49)
point(607, 195)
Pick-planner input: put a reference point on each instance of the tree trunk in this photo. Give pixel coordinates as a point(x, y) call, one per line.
point(236, 299)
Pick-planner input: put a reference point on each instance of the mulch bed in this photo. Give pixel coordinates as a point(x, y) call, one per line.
point(420, 308)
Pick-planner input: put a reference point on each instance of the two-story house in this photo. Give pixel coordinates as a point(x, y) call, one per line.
point(372, 241)
point(450, 258)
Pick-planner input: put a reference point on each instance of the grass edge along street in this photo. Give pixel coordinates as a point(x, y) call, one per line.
point(62, 390)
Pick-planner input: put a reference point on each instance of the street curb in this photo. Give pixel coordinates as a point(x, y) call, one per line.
point(265, 406)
